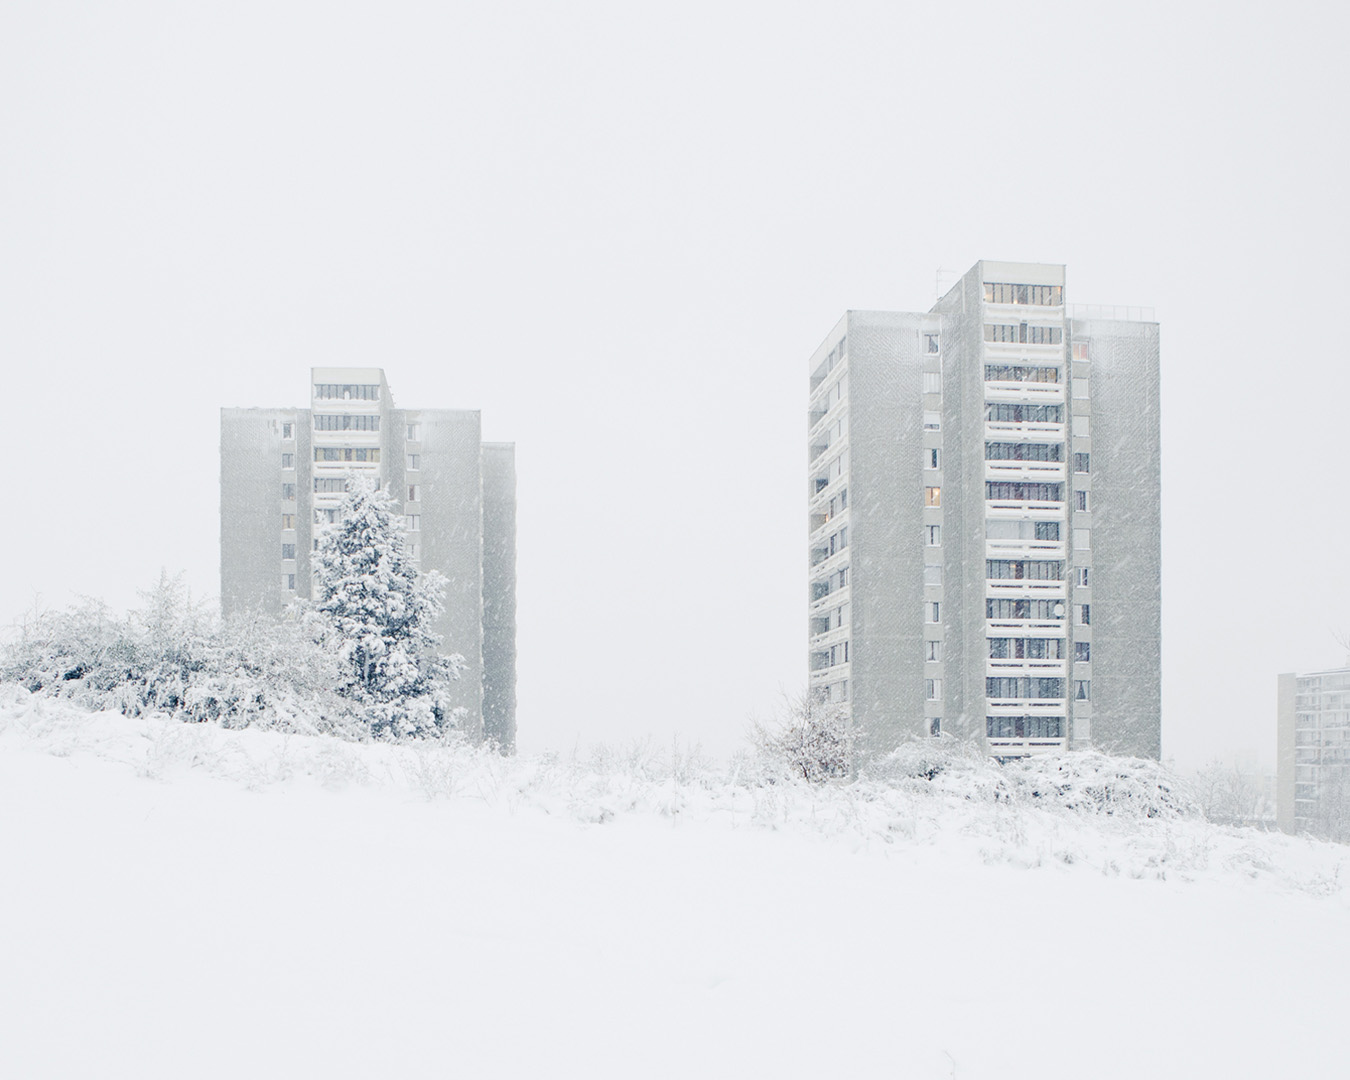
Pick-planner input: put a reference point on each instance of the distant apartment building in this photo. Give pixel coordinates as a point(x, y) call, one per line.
point(1312, 792)
point(282, 478)
point(984, 519)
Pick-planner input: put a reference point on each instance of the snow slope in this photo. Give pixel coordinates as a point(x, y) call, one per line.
point(179, 900)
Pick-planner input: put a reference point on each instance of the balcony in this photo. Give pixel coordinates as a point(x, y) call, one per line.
point(822, 524)
point(1024, 747)
point(836, 596)
point(1038, 393)
point(1026, 706)
point(1025, 549)
point(1026, 470)
point(1025, 431)
point(1054, 511)
point(1019, 667)
point(817, 417)
point(1023, 588)
point(1006, 627)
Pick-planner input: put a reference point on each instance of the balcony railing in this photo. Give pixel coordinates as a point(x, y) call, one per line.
point(1031, 667)
point(1013, 587)
point(1006, 390)
point(1112, 312)
point(1052, 432)
point(1043, 627)
point(1000, 469)
point(1034, 506)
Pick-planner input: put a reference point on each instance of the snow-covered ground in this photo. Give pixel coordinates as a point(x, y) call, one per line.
point(180, 900)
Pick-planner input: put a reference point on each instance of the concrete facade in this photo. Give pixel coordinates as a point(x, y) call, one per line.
point(282, 476)
point(1312, 787)
point(974, 566)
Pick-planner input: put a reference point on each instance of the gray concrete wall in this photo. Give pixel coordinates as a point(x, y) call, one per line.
point(250, 510)
point(452, 540)
point(1285, 755)
point(886, 538)
point(1126, 520)
point(963, 504)
point(499, 594)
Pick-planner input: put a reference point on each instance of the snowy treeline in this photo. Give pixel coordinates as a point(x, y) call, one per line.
point(1083, 811)
point(361, 659)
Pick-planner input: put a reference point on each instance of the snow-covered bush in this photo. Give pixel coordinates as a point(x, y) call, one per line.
point(379, 611)
point(809, 740)
point(1081, 781)
point(172, 656)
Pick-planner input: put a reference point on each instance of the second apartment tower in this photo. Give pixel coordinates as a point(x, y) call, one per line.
point(283, 476)
point(984, 519)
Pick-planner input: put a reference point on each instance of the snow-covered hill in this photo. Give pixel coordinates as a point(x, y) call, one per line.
point(181, 900)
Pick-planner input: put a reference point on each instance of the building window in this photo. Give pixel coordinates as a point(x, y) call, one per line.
point(932, 382)
point(1023, 687)
point(932, 421)
point(1022, 334)
point(933, 611)
point(1006, 608)
point(1005, 451)
point(1020, 491)
point(347, 422)
point(413, 522)
point(1082, 463)
point(1081, 576)
point(1085, 614)
point(347, 392)
point(288, 551)
point(1081, 500)
point(935, 727)
point(1082, 690)
point(932, 496)
point(998, 292)
point(414, 462)
point(1025, 727)
point(932, 650)
point(288, 492)
point(346, 453)
point(934, 457)
point(412, 492)
point(1020, 373)
point(287, 521)
point(1082, 651)
point(931, 343)
point(414, 432)
point(1007, 413)
point(934, 535)
point(412, 551)
point(1080, 350)
point(932, 689)
point(288, 430)
point(288, 582)
point(330, 485)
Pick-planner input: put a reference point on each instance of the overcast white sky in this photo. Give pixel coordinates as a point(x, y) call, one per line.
point(619, 229)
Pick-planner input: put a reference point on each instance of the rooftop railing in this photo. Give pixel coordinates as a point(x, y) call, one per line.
point(1111, 311)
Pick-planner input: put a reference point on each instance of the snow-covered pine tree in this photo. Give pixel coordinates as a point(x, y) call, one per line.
point(381, 610)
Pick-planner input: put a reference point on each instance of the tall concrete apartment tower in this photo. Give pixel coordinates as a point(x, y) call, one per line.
point(984, 519)
point(282, 477)
point(1312, 786)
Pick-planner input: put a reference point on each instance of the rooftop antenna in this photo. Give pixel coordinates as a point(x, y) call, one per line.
point(945, 279)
